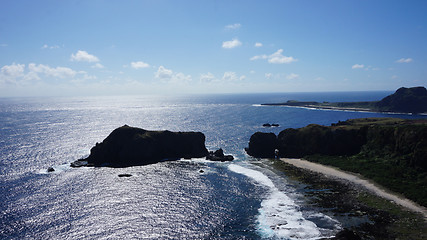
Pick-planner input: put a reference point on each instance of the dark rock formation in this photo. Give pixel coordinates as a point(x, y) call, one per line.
point(129, 146)
point(346, 234)
point(262, 145)
point(270, 125)
point(125, 175)
point(50, 169)
point(407, 100)
point(391, 138)
point(316, 139)
point(218, 155)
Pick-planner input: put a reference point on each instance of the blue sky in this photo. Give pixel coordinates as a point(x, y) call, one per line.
point(184, 47)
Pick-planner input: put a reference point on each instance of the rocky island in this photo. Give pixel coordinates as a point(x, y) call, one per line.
point(404, 100)
point(129, 146)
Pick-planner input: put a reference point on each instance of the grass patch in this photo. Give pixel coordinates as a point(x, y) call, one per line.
point(387, 172)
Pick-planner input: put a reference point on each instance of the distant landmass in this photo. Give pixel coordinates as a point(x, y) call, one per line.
point(404, 100)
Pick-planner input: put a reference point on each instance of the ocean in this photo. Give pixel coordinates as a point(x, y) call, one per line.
point(243, 199)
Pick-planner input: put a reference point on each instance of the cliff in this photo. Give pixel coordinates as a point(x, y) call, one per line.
point(130, 146)
point(412, 100)
point(404, 140)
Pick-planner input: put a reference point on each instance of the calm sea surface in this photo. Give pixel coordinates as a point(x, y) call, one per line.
point(244, 199)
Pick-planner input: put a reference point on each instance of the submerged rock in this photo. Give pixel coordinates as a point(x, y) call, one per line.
point(130, 146)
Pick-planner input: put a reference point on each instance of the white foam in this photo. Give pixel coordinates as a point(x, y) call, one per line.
point(57, 168)
point(279, 216)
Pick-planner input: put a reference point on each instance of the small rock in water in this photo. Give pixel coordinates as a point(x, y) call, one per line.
point(125, 175)
point(50, 169)
point(201, 171)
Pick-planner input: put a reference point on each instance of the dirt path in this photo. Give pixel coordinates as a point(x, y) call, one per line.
point(332, 172)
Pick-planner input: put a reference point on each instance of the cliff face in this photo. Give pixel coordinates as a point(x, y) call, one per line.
point(129, 146)
point(404, 140)
point(407, 143)
point(262, 145)
point(316, 139)
point(410, 100)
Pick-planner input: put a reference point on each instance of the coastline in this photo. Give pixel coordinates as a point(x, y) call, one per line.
point(344, 109)
point(354, 179)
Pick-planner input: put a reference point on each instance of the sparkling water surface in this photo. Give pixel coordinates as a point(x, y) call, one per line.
point(244, 199)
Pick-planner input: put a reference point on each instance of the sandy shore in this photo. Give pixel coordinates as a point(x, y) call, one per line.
point(334, 173)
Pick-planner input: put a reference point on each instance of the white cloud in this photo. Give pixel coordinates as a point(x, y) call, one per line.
point(394, 77)
point(17, 73)
point(252, 72)
point(3, 45)
point(181, 78)
point(258, 44)
point(207, 77)
point(268, 75)
point(232, 77)
point(168, 75)
point(275, 58)
point(292, 76)
point(14, 70)
point(357, 66)
point(49, 47)
point(98, 65)
point(258, 57)
point(231, 44)
point(233, 26)
point(58, 72)
point(229, 76)
point(163, 73)
point(404, 60)
point(83, 56)
point(139, 64)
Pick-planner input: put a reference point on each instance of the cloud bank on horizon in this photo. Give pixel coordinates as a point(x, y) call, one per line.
point(186, 47)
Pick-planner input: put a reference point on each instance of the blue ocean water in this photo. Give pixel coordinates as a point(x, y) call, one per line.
point(244, 199)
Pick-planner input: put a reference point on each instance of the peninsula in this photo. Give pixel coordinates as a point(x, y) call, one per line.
point(390, 151)
point(404, 100)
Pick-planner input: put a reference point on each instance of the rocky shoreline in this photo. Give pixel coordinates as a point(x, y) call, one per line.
point(362, 214)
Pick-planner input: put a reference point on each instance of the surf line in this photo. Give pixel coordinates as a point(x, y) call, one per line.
point(279, 215)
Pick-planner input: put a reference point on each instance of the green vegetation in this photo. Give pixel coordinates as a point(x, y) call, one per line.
point(387, 172)
point(390, 151)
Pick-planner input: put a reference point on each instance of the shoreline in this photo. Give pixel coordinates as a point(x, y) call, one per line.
point(353, 178)
point(344, 109)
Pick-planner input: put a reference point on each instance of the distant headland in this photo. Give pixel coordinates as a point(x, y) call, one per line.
point(404, 100)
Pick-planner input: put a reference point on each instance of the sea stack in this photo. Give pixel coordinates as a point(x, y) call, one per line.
point(130, 146)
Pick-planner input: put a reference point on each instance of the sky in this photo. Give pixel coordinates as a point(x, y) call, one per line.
point(99, 47)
